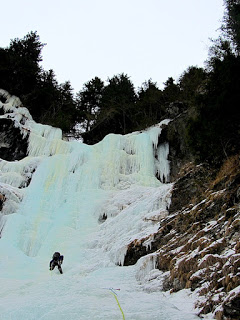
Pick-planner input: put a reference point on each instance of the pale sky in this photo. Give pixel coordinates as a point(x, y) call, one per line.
point(144, 39)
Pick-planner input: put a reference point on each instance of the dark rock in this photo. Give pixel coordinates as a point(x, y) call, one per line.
point(232, 308)
point(102, 218)
point(191, 185)
point(175, 109)
point(12, 144)
point(135, 251)
point(179, 152)
point(176, 285)
point(2, 200)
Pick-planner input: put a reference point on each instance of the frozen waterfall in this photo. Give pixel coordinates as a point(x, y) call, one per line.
point(89, 203)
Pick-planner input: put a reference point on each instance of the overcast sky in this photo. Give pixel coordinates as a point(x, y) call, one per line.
point(144, 39)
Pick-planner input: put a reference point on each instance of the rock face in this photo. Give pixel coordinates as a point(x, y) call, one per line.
point(2, 199)
point(175, 134)
point(199, 241)
point(12, 144)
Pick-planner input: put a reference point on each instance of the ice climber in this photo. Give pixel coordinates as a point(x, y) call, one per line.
point(57, 260)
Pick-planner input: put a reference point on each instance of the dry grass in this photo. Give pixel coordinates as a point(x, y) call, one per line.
point(237, 247)
point(229, 168)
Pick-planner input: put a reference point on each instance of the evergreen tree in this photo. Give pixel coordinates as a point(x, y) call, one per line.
point(214, 133)
point(22, 63)
point(117, 102)
point(66, 115)
point(22, 75)
point(89, 103)
point(192, 83)
point(42, 101)
point(5, 74)
point(115, 114)
point(150, 105)
point(231, 24)
point(171, 90)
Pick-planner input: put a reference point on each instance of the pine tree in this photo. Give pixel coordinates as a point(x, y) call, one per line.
point(231, 24)
point(150, 105)
point(89, 103)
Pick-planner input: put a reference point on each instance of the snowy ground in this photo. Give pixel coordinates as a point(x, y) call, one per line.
point(30, 291)
point(91, 250)
point(84, 297)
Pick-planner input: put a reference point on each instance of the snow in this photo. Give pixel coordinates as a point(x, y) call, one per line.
point(73, 187)
point(233, 293)
point(210, 225)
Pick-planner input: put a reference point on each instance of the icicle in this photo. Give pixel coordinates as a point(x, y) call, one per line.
point(14, 179)
point(46, 131)
point(19, 166)
point(39, 145)
point(154, 134)
point(163, 165)
point(13, 198)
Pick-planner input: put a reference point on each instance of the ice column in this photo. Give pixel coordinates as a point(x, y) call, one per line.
point(163, 170)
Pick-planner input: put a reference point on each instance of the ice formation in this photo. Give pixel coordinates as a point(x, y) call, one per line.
point(88, 202)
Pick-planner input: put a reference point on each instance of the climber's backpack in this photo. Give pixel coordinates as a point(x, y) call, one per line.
point(56, 256)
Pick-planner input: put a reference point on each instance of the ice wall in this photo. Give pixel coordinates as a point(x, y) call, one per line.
point(74, 186)
point(69, 192)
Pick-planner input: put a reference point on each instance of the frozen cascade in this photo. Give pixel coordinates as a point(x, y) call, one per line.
point(74, 188)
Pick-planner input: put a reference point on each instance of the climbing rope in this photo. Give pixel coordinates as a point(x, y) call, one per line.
point(115, 296)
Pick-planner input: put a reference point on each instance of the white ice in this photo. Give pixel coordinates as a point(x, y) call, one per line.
point(89, 203)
